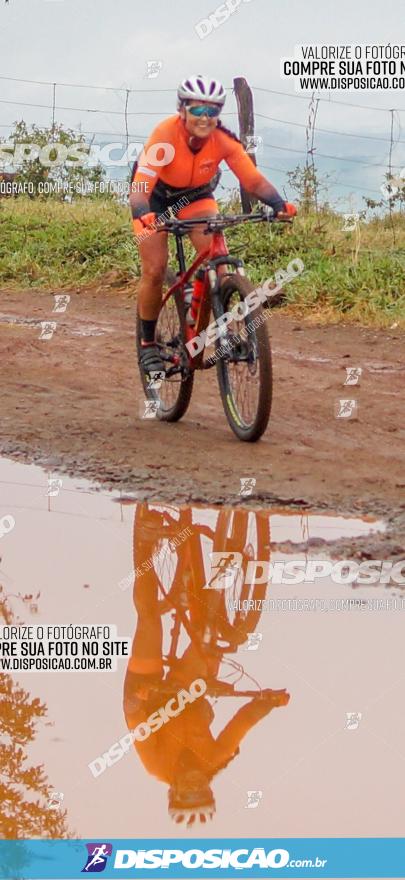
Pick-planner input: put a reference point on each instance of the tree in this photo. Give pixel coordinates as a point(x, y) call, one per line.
point(394, 190)
point(25, 791)
point(306, 182)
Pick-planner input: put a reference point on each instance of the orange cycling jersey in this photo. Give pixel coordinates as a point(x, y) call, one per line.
point(160, 752)
point(188, 169)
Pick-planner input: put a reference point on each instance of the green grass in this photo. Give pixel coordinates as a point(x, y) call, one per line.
point(48, 244)
point(350, 276)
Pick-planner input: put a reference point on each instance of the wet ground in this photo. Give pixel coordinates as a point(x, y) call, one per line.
point(325, 756)
point(327, 762)
point(73, 403)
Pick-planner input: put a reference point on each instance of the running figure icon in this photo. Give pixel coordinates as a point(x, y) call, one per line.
point(97, 856)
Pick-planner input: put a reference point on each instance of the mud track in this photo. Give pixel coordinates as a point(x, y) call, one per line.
point(73, 403)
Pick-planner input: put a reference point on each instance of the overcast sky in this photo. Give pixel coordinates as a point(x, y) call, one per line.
point(108, 42)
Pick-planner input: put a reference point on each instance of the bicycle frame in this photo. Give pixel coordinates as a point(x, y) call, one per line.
point(215, 255)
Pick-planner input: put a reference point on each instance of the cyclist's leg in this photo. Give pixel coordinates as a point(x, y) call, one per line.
point(153, 252)
point(193, 664)
point(147, 644)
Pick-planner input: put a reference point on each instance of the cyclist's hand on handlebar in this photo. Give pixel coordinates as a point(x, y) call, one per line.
point(273, 698)
point(289, 212)
point(141, 223)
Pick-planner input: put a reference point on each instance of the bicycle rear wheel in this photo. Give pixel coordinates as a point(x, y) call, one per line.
point(173, 393)
point(244, 367)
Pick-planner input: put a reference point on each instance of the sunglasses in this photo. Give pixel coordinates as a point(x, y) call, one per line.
point(204, 111)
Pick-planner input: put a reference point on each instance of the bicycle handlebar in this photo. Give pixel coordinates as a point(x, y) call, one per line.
point(217, 688)
point(214, 224)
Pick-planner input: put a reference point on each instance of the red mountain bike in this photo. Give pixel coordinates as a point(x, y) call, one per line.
point(242, 353)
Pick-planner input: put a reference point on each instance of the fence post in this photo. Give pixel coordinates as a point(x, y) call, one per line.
point(311, 182)
point(127, 94)
point(390, 175)
point(244, 102)
point(53, 109)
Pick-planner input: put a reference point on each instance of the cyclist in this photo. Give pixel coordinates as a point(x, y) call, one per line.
point(184, 753)
point(193, 144)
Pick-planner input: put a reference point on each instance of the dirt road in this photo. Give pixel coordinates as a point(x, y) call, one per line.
point(74, 403)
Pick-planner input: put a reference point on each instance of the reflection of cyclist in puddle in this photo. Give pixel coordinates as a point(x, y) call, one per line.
point(183, 753)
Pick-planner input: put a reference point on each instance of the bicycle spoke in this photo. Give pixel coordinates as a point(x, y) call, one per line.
point(243, 376)
point(168, 334)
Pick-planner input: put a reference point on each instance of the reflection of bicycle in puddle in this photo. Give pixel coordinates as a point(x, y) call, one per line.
point(205, 574)
point(213, 611)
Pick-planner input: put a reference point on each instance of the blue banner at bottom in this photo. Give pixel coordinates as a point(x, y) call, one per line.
point(194, 858)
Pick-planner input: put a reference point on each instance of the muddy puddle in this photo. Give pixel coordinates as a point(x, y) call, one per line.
point(81, 329)
point(313, 746)
point(368, 366)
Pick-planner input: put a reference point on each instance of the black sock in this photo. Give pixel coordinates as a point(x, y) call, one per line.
point(148, 330)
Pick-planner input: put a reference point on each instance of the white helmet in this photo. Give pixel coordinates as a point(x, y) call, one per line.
point(194, 815)
point(201, 88)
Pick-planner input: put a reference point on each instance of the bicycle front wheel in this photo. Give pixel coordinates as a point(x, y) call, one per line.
point(247, 533)
point(244, 363)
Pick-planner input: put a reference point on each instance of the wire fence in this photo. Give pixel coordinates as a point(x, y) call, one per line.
point(370, 170)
